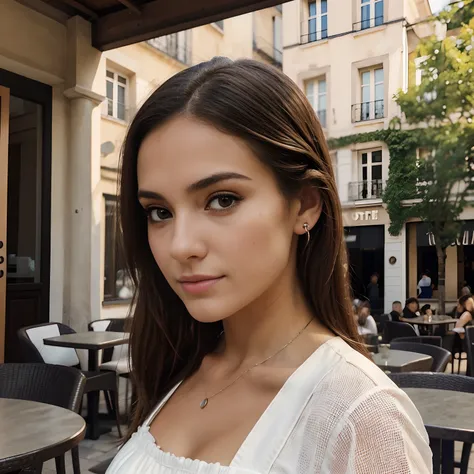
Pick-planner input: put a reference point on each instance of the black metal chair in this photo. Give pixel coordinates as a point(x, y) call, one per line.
point(457, 346)
point(381, 320)
point(115, 359)
point(45, 383)
point(433, 340)
point(34, 350)
point(441, 357)
point(439, 381)
point(395, 330)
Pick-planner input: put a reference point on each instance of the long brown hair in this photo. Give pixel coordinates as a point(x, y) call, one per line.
point(262, 106)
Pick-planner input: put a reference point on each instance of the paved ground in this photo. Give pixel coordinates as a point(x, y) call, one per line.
point(93, 452)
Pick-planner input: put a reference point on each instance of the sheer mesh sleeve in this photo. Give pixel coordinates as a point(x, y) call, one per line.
point(379, 435)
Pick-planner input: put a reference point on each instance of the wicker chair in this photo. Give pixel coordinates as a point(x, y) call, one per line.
point(441, 357)
point(52, 384)
point(34, 350)
point(433, 340)
point(438, 381)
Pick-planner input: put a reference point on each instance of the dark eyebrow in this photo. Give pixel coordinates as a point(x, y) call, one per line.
point(198, 185)
point(214, 179)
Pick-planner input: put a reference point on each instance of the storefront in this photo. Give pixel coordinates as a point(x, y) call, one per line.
point(372, 250)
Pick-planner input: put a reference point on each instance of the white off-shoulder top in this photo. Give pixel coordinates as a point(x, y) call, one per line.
point(338, 413)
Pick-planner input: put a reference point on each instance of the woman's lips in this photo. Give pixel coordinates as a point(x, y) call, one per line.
point(200, 286)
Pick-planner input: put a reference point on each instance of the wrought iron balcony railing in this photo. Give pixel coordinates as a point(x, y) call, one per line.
point(268, 50)
point(174, 46)
point(367, 23)
point(368, 111)
point(366, 190)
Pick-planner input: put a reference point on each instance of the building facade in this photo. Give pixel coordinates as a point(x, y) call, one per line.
point(350, 58)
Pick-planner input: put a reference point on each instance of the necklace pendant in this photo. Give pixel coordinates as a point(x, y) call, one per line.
point(204, 403)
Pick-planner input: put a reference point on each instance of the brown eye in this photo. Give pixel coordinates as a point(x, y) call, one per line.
point(158, 214)
point(222, 202)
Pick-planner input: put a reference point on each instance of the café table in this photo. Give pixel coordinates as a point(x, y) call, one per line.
point(93, 342)
point(448, 416)
point(32, 433)
point(436, 320)
point(403, 361)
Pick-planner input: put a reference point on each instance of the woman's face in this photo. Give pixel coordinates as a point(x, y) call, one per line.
point(218, 227)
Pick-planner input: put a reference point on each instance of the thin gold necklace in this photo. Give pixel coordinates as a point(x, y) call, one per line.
point(205, 401)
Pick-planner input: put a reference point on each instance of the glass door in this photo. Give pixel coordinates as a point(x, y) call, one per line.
point(4, 123)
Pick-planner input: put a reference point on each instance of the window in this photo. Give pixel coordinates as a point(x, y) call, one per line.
point(316, 92)
point(428, 96)
point(174, 45)
point(372, 93)
point(220, 24)
point(116, 85)
point(277, 39)
point(371, 174)
point(371, 13)
point(117, 284)
point(317, 20)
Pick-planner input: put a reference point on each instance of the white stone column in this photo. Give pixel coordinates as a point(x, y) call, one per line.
point(395, 274)
point(84, 89)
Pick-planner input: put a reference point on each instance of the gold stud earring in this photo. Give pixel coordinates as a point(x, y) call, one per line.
point(308, 235)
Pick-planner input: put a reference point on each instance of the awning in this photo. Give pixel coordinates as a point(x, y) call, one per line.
point(118, 23)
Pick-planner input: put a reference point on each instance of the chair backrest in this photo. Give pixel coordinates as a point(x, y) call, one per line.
point(469, 340)
point(433, 340)
point(457, 383)
point(113, 325)
point(381, 320)
point(441, 356)
point(34, 349)
point(45, 383)
point(397, 329)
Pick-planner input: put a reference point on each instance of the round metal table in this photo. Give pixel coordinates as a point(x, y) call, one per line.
point(403, 361)
point(32, 432)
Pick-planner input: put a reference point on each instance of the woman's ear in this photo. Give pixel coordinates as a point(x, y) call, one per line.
point(310, 209)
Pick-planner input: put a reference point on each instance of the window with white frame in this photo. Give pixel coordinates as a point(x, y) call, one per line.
point(372, 94)
point(174, 45)
point(317, 20)
point(277, 39)
point(316, 92)
point(370, 174)
point(371, 13)
point(117, 88)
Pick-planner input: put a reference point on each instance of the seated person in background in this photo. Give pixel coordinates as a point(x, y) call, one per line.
point(425, 289)
point(466, 309)
point(365, 322)
point(396, 311)
point(426, 310)
point(411, 309)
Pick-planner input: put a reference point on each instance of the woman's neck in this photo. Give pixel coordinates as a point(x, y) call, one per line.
point(260, 330)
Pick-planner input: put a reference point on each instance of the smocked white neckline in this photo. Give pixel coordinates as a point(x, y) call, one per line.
point(299, 382)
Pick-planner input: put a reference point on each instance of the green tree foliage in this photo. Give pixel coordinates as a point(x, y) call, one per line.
point(441, 177)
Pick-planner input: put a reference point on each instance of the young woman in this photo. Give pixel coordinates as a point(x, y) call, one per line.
point(246, 356)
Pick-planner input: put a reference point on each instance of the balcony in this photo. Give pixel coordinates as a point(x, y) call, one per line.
point(174, 45)
point(368, 111)
point(309, 33)
point(360, 190)
point(268, 51)
point(367, 23)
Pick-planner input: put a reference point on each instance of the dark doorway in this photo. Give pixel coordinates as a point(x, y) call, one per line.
point(28, 207)
point(366, 257)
